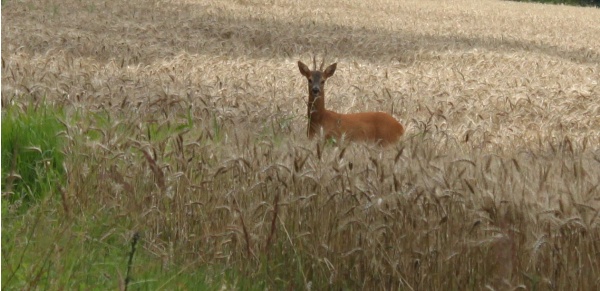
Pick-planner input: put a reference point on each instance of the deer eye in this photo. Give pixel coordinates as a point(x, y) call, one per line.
point(310, 80)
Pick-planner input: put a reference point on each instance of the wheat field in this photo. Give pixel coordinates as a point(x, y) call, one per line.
point(186, 123)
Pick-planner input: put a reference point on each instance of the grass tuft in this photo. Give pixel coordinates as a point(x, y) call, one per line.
point(32, 156)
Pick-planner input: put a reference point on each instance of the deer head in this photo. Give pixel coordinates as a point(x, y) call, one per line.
point(316, 79)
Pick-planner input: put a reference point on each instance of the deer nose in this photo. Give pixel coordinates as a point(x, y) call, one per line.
point(315, 90)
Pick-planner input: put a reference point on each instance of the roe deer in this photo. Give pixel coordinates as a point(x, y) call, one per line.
point(376, 127)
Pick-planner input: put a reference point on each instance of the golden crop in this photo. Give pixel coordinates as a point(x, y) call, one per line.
point(187, 119)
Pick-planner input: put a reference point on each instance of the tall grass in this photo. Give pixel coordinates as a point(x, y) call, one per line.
point(32, 157)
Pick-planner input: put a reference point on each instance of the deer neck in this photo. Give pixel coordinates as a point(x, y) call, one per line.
point(316, 111)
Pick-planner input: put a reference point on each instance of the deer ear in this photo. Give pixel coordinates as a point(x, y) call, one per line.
point(304, 70)
point(329, 71)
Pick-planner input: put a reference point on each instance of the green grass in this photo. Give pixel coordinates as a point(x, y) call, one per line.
point(42, 250)
point(32, 159)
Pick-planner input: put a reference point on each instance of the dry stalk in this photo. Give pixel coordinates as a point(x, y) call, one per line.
point(273, 223)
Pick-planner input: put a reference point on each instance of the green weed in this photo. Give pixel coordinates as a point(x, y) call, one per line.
point(32, 157)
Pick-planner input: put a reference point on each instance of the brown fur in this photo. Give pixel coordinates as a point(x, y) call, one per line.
point(377, 127)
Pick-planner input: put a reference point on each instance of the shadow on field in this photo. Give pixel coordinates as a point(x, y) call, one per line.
point(268, 38)
point(145, 34)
